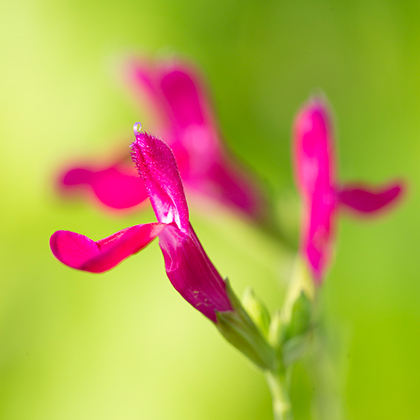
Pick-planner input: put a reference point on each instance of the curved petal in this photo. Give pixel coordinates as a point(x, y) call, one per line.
point(191, 112)
point(366, 200)
point(157, 166)
point(80, 252)
point(186, 101)
point(314, 164)
point(314, 160)
point(116, 187)
point(192, 273)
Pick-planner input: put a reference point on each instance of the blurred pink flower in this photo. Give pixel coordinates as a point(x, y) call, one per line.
point(315, 173)
point(178, 97)
point(187, 265)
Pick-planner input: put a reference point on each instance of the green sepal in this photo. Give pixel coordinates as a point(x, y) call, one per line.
point(257, 310)
point(277, 329)
point(240, 330)
point(291, 338)
point(300, 319)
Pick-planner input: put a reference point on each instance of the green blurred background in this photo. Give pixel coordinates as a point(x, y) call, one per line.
point(124, 345)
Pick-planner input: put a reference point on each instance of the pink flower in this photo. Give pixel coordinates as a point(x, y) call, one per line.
point(179, 99)
point(187, 265)
point(315, 173)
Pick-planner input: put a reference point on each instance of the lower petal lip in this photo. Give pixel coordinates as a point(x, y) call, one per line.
point(82, 253)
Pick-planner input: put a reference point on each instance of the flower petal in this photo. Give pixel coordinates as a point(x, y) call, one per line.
point(186, 101)
point(314, 164)
point(314, 158)
point(117, 186)
point(365, 199)
point(192, 273)
point(80, 252)
point(157, 166)
point(319, 232)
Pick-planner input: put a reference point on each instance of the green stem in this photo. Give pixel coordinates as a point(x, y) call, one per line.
point(282, 408)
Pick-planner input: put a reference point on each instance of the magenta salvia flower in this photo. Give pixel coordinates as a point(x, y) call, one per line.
point(179, 96)
point(179, 99)
point(187, 265)
point(315, 173)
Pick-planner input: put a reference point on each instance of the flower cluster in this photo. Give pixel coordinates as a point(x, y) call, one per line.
point(193, 154)
point(198, 156)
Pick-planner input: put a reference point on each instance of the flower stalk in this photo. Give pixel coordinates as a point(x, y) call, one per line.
point(277, 384)
point(290, 334)
point(274, 343)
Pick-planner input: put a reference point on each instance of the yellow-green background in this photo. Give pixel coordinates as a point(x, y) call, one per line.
point(124, 345)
